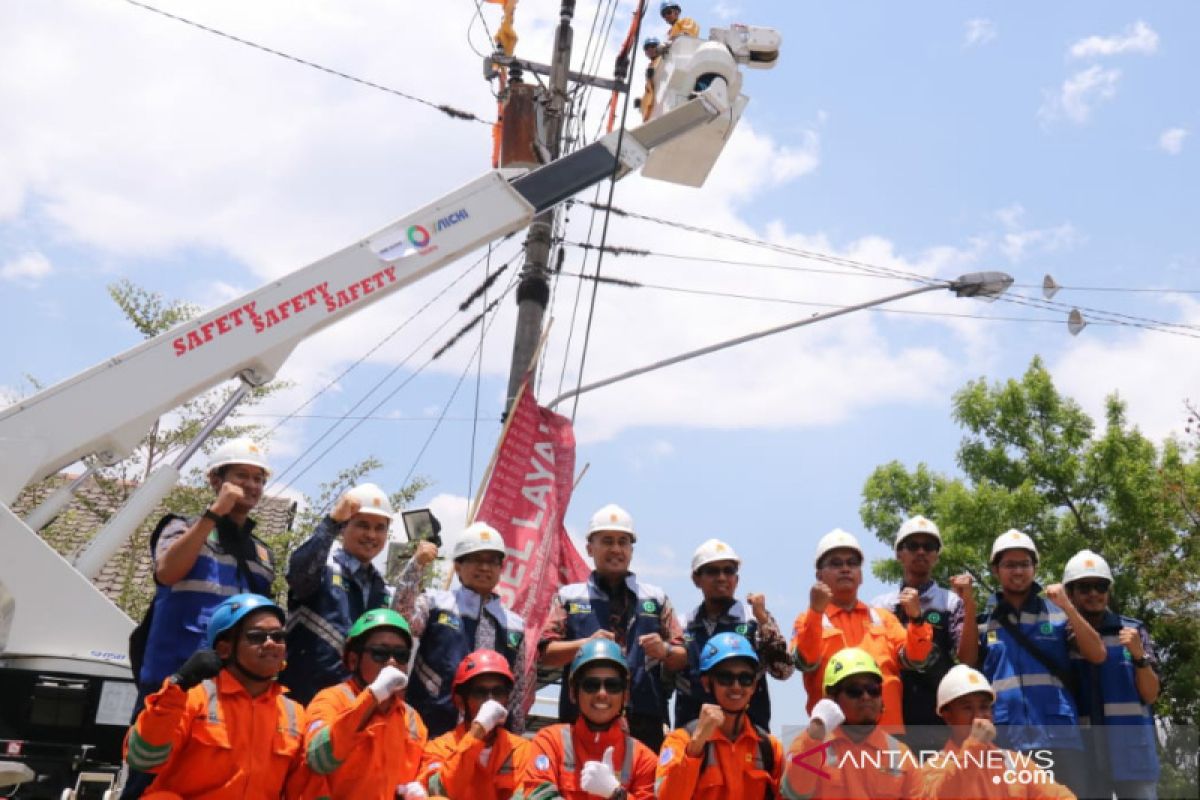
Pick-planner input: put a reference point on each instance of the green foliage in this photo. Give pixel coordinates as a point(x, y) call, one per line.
point(1032, 459)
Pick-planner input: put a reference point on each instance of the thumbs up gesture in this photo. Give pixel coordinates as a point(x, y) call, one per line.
point(598, 778)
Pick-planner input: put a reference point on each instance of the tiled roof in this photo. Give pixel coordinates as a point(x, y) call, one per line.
point(126, 578)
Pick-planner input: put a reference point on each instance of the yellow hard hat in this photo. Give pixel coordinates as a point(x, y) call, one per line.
point(851, 661)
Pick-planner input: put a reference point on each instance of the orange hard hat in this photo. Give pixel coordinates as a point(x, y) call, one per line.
point(481, 662)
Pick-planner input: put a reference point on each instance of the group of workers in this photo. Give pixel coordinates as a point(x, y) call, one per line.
point(654, 48)
point(361, 690)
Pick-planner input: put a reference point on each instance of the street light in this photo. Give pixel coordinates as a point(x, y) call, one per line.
point(984, 285)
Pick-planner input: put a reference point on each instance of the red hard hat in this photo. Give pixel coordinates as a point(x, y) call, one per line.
point(481, 662)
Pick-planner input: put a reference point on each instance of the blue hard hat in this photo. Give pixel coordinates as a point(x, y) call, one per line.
point(651, 41)
point(662, 8)
point(723, 647)
point(596, 651)
point(232, 610)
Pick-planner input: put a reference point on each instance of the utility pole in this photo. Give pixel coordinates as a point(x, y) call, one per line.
point(533, 292)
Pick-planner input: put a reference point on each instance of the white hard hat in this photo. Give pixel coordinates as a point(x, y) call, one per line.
point(1086, 564)
point(918, 524)
point(713, 550)
point(238, 451)
point(837, 538)
point(479, 537)
point(1013, 539)
point(372, 500)
point(612, 518)
point(960, 681)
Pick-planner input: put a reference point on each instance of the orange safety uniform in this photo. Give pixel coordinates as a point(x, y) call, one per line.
point(684, 26)
point(737, 770)
point(817, 637)
point(354, 750)
point(976, 771)
point(880, 766)
point(558, 752)
point(451, 765)
point(215, 741)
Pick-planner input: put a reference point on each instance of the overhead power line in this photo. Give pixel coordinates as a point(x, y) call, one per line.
point(448, 110)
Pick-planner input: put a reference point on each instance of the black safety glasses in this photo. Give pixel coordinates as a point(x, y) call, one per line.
point(258, 637)
point(871, 690)
point(744, 679)
point(594, 685)
point(381, 655)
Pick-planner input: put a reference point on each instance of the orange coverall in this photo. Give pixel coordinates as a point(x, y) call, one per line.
point(215, 741)
point(451, 765)
point(724, 771)
point(880, 766)
point(976, 771)
point(549, 773)
point(354, 750)
point(816, 637)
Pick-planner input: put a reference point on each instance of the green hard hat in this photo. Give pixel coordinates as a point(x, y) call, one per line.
point(375, 619)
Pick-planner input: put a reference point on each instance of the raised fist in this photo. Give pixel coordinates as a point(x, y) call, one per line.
point(819, 596)
point(345, 508)
point(228, 496)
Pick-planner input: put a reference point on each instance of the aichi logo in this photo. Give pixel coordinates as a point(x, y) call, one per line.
point(418, 236)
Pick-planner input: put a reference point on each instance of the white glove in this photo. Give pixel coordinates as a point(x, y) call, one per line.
point(598, 777)
point(389, 681)
point(829, 713)
point(491, 714)
point(412, 791)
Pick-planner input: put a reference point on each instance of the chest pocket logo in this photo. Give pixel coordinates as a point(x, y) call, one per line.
point(449, 620)
point(650, 608)
point(579, 608)
point(338, 581)
point(514, 639)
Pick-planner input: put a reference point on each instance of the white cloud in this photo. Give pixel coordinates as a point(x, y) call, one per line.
point(978, 32)
point(726, 11)
point(28, 269)
point(1137, 38)
point(1171, 140)
point(1081, 93)
point(1017, 241)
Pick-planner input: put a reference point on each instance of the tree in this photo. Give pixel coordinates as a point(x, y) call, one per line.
point(1032, 459)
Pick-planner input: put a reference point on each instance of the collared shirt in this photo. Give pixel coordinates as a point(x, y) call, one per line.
point(769, 642)
point(930, 595)
point(556, 620)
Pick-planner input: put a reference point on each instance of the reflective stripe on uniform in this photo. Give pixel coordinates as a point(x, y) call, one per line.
point(1020, 681)
point(320, 753)
point(569, 755)
point(205, 587)
point(1126, 710)
point(290, 707)
point(318, 626)
point(144, 756)
point(210, 689)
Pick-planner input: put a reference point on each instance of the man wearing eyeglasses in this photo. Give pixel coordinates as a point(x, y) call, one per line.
point(837, 619)
point(613, 604)
point(723, 754)
point(478, 759)
point(364, 740)
point(1025, 644)
point(715, 568)
point(331, 584)
point(951, 615)
point(452, 623)
point(1115, 698)
point(846, 752)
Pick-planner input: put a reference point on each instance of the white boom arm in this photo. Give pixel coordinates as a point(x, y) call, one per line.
point(46, 607)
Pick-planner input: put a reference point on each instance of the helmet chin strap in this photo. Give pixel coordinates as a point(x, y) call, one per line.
point(236, 664)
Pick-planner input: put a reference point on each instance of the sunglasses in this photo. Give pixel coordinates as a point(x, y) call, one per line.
point(381, 655)
point(710, 571)
point(743, 679)
point(1090, 587)
point(594, 685)
point(259, 637)
point(912, 547)
point(500, 693)
point(870, 690)
point(838, 563)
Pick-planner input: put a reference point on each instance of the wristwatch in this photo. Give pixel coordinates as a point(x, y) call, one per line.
point(1139, 663)
point(209, 514)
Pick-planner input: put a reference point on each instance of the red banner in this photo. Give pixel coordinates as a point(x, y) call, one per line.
point(526, 498)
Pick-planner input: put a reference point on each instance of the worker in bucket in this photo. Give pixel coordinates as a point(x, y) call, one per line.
point(971, 766)
point(845, 751)
point(715, 568)
point(680, 25)
point(1116, 698)
point(332, 583)
point(614, 605)
point(221, 726)
point(198, 563)
point(592, 757)
point(452, 623)
point(723, 754)
point(363, 740)
point(479, 759)
point(837, 619)
point(652, 48)
point(951, 616)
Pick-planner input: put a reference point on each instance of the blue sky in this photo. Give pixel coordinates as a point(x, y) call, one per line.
point(936, 138)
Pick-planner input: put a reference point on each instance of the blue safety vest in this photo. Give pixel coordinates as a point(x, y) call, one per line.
point(588, 609)
point(1033, 709)
point(689, 693)
point(448, 637)
point(317, 623)
point(181, 610)
point(1109, 697)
